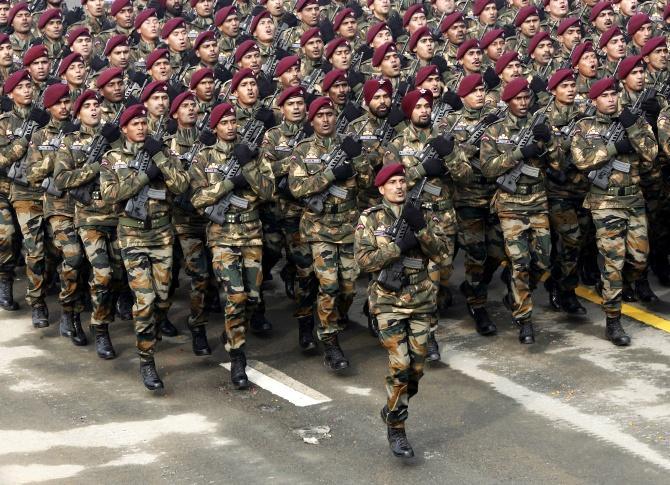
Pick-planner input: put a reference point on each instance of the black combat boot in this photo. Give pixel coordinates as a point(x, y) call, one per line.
point(168, 329)
point(199, 341)
point(259, 325)
point(615, 332)
point(306, 333)
point(483, 322)
point(124, 305)
point(570, 304)
point(238, 363)
point(103, 344)
point(288, 275)
point(444, 300)
point(40, 316)
point(554, 294)
point(78, 336)
point(526, 331)
point(398, 443)
point(7, 295)
point(644, 292)
point(628, 294)
point(432, 349)
point(334, 357)
point(150, 375)
point(65, 327)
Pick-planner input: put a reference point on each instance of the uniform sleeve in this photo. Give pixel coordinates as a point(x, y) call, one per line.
point(433, 240)
point(301, 183)
point(176, 178)
point(115, 188)
point(12, 149)
point(205, 194)
point(66, 175)
point(39, 164)
point(370, 256)
point(493, 160)
point(259, 174)
point(641, 136)
point(664, 132)
point(589, 153)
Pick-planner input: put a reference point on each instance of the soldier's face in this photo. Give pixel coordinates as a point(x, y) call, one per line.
point(75, 74)
point(174, 6)
point(22, 94)
point(445, 6)
point(186, 114)
point(22, 22)
point(425, 48)
point(558, 8)
point(530, 26)
point(83, 45)
point(421, 113)
point(456, 33)
point(136, 130)
point(205, 89)
point(417, 21)
point(39, 68)
point(628, 7)
point(275, 7)
point(313, 49)
point(339, 92)
point(642, 35)
point(565, 92)
point(158, 104)
point(382, 7)
point(125, 17)
point(161, 70)
point(265, 30)
point(380, 104)
point(113, 90)
point(495, 49)
point(571, 37)
point(341, 58)
point(309, 15)
point(520, 103)
point(4, 12)
point(472, 60)
point(226, 129)
point(604, 20)
point(511, 71)
point(348, 28)
point(382, 37)
point(231, 26)
point(208, 52)
point(588, 65)
point(324, 122)
point(96, 8)
point(433, 83)
point(149, 28)
point(61, 110)
point(293, 109)
point(178, 40)
point(657, 60)
point(520, 3)
point(635, 80)
point(390, 65)
point(475, 100)
point(247, 92)
point(204, 8)
point(6, 55)
point(606, 103)
point(395, 189)
point(489, 15)
point(616, 48)
point(252, 60)
point(290, 78)
point(89, 113)
point(120, 57)
point(544, 52)
point(53, 29)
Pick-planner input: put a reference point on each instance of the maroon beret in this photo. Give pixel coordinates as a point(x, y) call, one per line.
point(50, 14)
point(16, 9)
point(67, 62)
point(285, 64)
point(579, 50)
point(524, 13)
point(513, 88)
point(239, 75)
point(411, 98)
point(199, 75)
point(490, 36)
point(608, 35)
point(599, 87)
point(114, 42)
point(107, 75)
point(598, 9)
point(170, 25)
point(204, 36)
point(371, 87)
point(465, 47)
point(223, 13)
point(332, 77)
point(333, 45)
point(468, 84)
point(381, 51)
point(450, 20)
point(417, 35)
point(309, 33)
point(4, 38)
point(143, 16)
point(257, 18)
point(292, 92)
point(536, 39)
point(14, 79)
point(134, 111)
point(388, 171)
point(559, 76)
point(303, 3)
point(55, 93)
point(374, 30)
point(179, 99)
point(407, 16)
point(118, 5)
point(636, 22)
point(245, 47)
point(218, 112)
point(479, 5)
point(34, 53)
point(318, 104)
point(505, 59)
point(83, 97)
point(666, 12)
point(153, 87)
point(627, 65)
point(423, 73)
point(653, 44)
point(566, 24)
point(75, 33)
point(341, 15)
point(155, 55)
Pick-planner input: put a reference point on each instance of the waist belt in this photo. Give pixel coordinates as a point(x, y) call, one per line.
point(621, 191)
point(442, 205)
point(414, 278)
point(528, 189)
point(337, 208)
point(149, 224)
point(242, 217)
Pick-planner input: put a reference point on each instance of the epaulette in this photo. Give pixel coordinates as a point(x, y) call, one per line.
point(372, 209)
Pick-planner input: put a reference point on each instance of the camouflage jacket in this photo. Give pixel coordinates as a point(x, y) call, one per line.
point(12, 147)
point(590, 151)
point(71, 170)
point(308, 176)
point(119, 182)
point(663, 131)
point(109, 110)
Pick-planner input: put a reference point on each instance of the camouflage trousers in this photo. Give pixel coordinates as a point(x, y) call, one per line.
point(30, 215)
point(149, 271)
point(621, 235)
point(273, 238)
point(569, 223)
point(64, 236)
point(300, 255)
point(101, 246)
point(239, 270)
point(7, 237)
point(405, 341)
point(657, 198)
point(481, 238)
point(194, 250)
point(336, 271)
point(441, 273)
point(528, 248)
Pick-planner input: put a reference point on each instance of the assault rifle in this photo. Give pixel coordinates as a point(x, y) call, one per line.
point(17, 171)
point(478, 130)
point(48, 185)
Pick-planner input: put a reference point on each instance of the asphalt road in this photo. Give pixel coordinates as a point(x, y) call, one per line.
point(570, 409)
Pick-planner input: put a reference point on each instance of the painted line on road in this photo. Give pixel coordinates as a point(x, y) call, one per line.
point(281, 385)
point(631, 311)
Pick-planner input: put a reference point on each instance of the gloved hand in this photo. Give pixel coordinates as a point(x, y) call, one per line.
point(222, 74)
point(153, 146)
point(73, 16)
point(6, 104)
point(396, 116)
point(355, 78)
point(433, 167)
point(175, 88)
point(542, 133)
point(407, 242)
point(490, 118)
point(137, 77)
point(453, 100)
point(39, 116)
point(207, 137)
point(351, 146)
point(98, 63)
point(239, 181)
point(414, 217)
point(343, 171)
point(289, 19)
point(491, 78)
point(624, 147)
point(244, 154)
point(443, 145)
point(651, 107)
point(266, 116)
point(627, 118)
point(171, 126)
point(531, 151)
point(69, 127)
point(537, 84)
point(111, 132)
point(351, 111)
point(152, 171)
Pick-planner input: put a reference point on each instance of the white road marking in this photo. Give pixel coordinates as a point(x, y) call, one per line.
point(34, 473)
point(282, 385)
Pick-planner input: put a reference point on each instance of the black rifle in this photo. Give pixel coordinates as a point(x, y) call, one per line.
point(48, 184)
point(477, 131)
point(17, 171)
point(282, 184)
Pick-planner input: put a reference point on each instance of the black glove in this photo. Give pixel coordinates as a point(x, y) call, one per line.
point(39, 116)
point(557, 176)
point(624, 147)
point(531, 151)
point(98, 63)
point(222, 74)
point(443, 145)
point(52, 80)
point(453, 100)
point(356, 7)
point(665, 173)
point(244, 154)
point(433, 167)
point(152, 146)
point(343, 171)
point(266, 116)
point(289, 19)
point(137, 77)
point(355, 78)
point(131, 100)
point(537, 84)
point(414, 217)
point(510, 30)
point(407, 242)
point(207, 137)
point(73, 16)
point(152, 171)
point(175, 89)
point(542, 133)
point(6, 104)
point(239, 181)
point(69, 127)
point(351, 111)
point(111, 132)
point(171, 126)
point(651, 107)
point(491, 78)
point(351, 146)
point(396, 116)
point(490, 118)
point(367, 51)
point(627, 118)
point(265, 86)
point(326, 29)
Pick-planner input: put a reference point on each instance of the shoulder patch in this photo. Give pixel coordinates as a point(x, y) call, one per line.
point(104, 162)
point(372, 209)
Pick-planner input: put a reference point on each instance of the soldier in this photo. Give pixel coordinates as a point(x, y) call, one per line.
point(21, 20)
point(585, 60)
point(159, 68)
point(602, 19)
point(618, 211)
point(527, 23)
point(311, 51)
point(228, 25)
point(124, 16)
point(203, 85)
point(486, 13)
point(111, 86)
point(522, 208)
point(50, 24)
point(204, 17)
point(338, 53)
point(206, 51)
point(95, 20)
point(613, 44)
point(147, 26)
point(454, 34)
point(79, 41)
point(6, 57)
point(569, 34)
point(640, 30)
point(492, 45)
point(555, 11)
point(307, 12)
point(508, 67)
point(146, 245)
point(329, 231)
point(235, 241)
point(346, 27)
point(117, 52)
point(36, 60)
point(73, 71)
point(406, 314)
point(176, 38)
